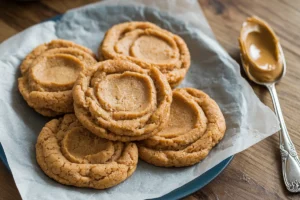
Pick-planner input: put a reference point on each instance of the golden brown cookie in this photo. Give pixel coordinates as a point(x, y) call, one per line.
point(118, 100)
point(48, 75)
point(71, 155)
point(148, 45)
point(196, 124)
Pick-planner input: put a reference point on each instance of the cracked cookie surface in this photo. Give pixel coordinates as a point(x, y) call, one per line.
point(118, 100)
point(149, 46)
point(48, 75)
point(195, 126)
point(71, 155)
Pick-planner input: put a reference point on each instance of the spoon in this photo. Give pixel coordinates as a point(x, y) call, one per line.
point(289, 157)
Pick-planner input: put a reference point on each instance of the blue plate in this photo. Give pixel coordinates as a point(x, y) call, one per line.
point(3, 157)
point(178, 193)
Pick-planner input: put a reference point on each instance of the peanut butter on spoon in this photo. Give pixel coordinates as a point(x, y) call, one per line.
point(260, 51)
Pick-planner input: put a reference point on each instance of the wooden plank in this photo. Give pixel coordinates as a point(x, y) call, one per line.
point(21, 15)
point(63, 6)
point(9, 31)
point(8, 190)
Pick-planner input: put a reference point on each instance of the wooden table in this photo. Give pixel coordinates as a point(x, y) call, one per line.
point(254, 173)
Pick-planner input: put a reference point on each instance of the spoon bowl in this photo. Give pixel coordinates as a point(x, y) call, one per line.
point(266, 83)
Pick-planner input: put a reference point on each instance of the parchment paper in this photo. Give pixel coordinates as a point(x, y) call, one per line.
point(212, 70)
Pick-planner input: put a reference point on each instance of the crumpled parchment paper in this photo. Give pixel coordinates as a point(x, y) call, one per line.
point(212, 70)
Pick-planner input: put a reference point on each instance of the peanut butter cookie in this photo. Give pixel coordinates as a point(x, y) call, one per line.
point(195, 126)
point(148, 45)
point(48, 75)
point(71, 155)
point(118, 100)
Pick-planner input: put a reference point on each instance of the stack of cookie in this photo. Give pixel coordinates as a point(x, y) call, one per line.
point(124, 107)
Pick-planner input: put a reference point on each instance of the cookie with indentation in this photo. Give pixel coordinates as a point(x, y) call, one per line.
point(149, 46)
point(195, 126)
point(118, 100)
point(48, 75)
point(71, 155)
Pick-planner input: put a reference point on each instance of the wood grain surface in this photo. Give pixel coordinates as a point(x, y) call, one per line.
point(254, 173)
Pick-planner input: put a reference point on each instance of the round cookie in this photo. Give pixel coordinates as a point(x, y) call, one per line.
point(118, 100)
point(71, 155)
point(149, 46)
point(195, 126)
point(48, 75)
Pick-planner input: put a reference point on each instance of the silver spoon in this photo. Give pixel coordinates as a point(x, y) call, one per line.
point(289, 157)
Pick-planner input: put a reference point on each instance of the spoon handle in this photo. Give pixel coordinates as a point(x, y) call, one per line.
point(289, 157)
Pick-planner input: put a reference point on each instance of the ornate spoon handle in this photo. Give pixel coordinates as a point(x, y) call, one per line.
point(289, 157)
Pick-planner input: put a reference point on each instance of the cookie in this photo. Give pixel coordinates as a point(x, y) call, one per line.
point(71, 155)
point(149, 46)
point(48, 75)
point(118, 100)
point(195, 126)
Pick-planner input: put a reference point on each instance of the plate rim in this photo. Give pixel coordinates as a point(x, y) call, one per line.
point(180, 192)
